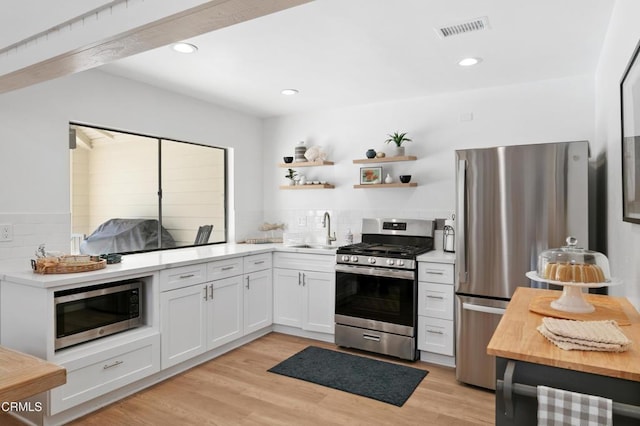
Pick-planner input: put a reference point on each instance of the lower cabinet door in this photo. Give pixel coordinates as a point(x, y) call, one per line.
point(183, 323)
point(287, 297)
point(258, 300)
point(224, 312)
point(320, 292)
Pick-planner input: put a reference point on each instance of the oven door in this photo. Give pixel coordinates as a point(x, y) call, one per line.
point(379, 299)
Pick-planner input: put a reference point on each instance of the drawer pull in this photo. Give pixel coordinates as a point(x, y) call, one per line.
point(115, 364)
point(182, 277)
point(432, 272)
point(227, 268)
point(259, 262)
point(434, 331)
point(371, 337)
point(435, 297)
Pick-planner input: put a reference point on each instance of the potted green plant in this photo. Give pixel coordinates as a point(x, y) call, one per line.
point(398, 139)
point(291, 175)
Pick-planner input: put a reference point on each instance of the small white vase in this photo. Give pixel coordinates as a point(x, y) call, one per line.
point(388, 179)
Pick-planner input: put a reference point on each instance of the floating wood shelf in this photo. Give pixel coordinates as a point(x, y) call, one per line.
point(312, 186)
point(305, 164)
point(386, 185)
point(385, 159)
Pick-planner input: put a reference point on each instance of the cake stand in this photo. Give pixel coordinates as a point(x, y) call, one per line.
point(572, 299)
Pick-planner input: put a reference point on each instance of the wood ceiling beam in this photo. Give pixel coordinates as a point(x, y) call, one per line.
point(199, 20)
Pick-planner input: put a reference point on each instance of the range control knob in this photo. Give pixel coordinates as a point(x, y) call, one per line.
point(372, 260)
point(400, 262)
point(389, 262)
point(345, 258)
point(354, 259)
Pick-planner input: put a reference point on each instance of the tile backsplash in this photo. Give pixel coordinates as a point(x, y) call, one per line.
point(30, 230)
point(305, 226)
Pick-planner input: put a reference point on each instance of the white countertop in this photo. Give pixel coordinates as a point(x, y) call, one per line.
point(136, 264)
point(21, 272)
point(437, 256)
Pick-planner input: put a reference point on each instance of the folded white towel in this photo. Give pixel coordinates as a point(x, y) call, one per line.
point(585, 335)
point(558, 407)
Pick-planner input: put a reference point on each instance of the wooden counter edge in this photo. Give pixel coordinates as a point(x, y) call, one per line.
point(22, 375)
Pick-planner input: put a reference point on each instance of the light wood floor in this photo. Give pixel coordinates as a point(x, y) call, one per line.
point(237, 389)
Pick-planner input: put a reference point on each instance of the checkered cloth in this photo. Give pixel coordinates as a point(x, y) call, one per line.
point(558, 407)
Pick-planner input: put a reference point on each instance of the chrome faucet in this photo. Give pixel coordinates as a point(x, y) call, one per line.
point(326, 223)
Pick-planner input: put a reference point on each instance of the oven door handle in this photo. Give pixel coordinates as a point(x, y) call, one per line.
point(378, 272)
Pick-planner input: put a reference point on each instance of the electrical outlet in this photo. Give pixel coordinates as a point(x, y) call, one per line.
point(6, 232)
point(302, 221)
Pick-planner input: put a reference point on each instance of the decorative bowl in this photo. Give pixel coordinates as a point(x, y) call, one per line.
point(288, 159)
point(405, 178)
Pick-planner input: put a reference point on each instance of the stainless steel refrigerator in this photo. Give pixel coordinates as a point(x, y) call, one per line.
point(512, 203)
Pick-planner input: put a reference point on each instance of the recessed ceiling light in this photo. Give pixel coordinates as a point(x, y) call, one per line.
point(289, 92)
point(184, 47)
point(467, 62)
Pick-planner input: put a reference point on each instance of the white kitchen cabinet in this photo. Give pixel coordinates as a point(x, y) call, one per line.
point(207, 315)
point(258, 300)
point(183, 320)
point(94, 375)
point(224, 311)
point(304, 291)
point(436, 312)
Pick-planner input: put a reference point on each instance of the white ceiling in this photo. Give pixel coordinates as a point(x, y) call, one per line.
point(349, 52)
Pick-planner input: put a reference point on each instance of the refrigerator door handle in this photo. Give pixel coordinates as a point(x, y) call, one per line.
point(485, 309)
point(461, 217)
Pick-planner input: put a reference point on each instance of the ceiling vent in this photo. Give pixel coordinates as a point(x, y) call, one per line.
point(477, 24)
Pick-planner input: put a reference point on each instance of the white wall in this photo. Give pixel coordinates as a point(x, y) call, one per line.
point(623, 243)
point(545, 111)
point(34, 148)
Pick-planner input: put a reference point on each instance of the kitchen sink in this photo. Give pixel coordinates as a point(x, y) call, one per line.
point(314, 246)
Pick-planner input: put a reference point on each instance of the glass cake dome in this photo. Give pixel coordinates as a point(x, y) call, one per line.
point(573, 264)
point(574, 268)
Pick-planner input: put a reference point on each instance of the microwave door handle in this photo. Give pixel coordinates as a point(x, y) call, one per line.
point(461, 217)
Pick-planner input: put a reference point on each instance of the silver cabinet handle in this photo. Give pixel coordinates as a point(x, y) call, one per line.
point(226, 268)
point(435, 297)
point(182, 277)
point(211, 291)
point(304, 279)
point(432, 272)
point(434, 331)
point(299, 278)
point(258, 262)
point(206, 293)
point(115, 364)
point(247, 283)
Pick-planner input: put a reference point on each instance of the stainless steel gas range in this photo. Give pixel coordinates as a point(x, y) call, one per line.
point(377, 287)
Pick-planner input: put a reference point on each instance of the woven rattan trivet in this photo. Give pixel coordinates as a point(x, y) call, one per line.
point(607, 308)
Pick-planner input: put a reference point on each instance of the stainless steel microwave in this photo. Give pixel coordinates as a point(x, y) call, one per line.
point(89, 313)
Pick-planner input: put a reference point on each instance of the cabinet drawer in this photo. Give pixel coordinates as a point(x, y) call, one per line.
point(435, 300)
point(224, 269)
point(435, 272)
point(183, 276)
point(95, 375)
point(435, 335)
point(257, 262)
point(305, 261)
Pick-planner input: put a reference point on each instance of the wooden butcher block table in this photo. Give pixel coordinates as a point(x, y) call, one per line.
point(22, 375)
point(526, 359)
